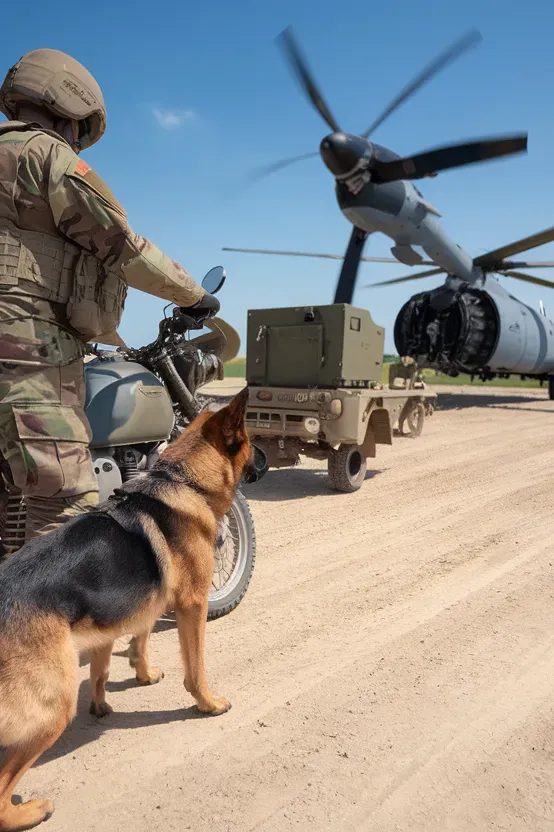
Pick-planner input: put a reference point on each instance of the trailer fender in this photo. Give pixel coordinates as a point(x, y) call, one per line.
point(368, 446)
point(380, 425)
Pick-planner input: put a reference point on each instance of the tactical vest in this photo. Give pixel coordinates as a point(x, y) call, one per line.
point(47, 266)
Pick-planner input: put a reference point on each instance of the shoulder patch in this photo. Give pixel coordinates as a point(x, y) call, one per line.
point(81, 167)
point(85, 174)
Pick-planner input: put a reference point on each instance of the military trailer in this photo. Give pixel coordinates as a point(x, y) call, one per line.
point(314, 377)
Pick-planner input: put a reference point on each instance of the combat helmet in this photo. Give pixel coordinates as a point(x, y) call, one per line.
point(56, 81)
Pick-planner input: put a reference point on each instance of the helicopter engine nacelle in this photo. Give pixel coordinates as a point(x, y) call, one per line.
point(467, 329)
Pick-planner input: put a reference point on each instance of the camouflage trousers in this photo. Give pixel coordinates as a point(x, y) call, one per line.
point(45, 436)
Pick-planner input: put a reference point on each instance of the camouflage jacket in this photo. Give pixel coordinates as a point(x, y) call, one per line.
point(45, 187)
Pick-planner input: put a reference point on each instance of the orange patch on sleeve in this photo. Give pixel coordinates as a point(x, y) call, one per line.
point(81, 168)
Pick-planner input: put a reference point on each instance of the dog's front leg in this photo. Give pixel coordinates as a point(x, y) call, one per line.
point(191, 624)
point(99, 674)
point(138, 659)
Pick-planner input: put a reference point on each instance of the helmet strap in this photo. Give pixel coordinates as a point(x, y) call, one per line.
point(76, 144)
point(68, 129)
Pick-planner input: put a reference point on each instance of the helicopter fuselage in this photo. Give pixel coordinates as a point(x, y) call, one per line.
point(400, 211)
point(468, 324)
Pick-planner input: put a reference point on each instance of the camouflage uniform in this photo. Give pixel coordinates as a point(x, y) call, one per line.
point(67, 255)
point(404, 369)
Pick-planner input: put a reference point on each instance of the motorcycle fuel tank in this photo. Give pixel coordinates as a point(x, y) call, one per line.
point(125, 404)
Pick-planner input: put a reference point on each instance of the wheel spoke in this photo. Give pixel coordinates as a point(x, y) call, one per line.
point(232, 559)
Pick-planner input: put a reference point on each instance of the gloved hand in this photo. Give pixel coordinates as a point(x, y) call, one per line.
point(208, 306)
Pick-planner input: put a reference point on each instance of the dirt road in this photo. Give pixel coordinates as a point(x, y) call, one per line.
point(391, 667)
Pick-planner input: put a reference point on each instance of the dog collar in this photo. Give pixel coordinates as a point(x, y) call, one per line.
point(171, 472)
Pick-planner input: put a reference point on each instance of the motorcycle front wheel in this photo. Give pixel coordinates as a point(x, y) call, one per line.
point(235, 555)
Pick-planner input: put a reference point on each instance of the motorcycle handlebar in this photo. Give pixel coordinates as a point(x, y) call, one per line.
point(179, 323)
point(182, 320)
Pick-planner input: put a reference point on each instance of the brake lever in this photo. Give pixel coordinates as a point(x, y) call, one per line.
point(181, 322)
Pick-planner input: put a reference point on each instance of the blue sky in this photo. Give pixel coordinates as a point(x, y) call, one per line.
point(198, 95)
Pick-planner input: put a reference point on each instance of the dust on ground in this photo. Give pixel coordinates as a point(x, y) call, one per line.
point(391, 666)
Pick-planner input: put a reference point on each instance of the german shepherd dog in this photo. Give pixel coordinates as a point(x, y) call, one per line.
point(111, 572)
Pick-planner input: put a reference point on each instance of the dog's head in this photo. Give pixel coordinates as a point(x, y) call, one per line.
point(225, 432)
point(216, 449)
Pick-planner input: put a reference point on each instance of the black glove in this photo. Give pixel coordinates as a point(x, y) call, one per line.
point(208, 306)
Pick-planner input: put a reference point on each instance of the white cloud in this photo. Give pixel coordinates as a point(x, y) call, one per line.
point(170, 119)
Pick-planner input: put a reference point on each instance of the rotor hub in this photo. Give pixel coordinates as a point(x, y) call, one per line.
point(344, 153)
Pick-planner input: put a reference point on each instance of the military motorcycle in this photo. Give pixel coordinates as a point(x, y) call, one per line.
point(139, 400)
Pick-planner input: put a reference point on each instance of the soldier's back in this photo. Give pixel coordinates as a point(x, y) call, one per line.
point(26, 156)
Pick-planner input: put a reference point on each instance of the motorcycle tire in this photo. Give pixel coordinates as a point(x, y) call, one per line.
point(227, 597)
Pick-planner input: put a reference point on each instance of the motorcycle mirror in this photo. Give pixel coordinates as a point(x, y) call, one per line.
point(214, 280)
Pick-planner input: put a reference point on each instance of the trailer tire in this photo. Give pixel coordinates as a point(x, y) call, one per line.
point(346, 468)
point(416, 418)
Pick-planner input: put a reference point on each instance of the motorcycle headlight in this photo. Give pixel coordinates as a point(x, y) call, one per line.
point(194, 366)
point(207, 368)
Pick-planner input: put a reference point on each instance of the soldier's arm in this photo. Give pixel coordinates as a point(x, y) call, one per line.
point(88, 214)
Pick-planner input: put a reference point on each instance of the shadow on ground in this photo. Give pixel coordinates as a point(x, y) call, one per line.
point(294, 483)
point(460, 401)
point(87, 728)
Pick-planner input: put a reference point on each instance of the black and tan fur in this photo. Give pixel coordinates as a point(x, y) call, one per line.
point(112, 572)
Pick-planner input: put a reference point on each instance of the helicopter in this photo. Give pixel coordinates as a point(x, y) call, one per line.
point(470, 323)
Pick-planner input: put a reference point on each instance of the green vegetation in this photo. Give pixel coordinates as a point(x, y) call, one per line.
point(431, 377)
point(237, 369)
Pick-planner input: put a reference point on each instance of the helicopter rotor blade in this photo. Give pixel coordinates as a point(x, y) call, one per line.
point(318, 254)
point(304, 75)
point(444, 158)
point(529, 278)
point(404, 279)
point(267, 170)
point(495, 257)
point(461, 45)
point(521, 264)
point(346, 284)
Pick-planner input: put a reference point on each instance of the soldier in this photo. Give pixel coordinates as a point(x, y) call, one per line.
point(404, 369)
point(67, 256)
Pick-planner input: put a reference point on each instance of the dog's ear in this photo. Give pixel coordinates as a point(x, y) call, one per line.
point(225, 428)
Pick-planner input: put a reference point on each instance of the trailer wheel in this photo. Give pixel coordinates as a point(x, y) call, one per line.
point(416, 418)
point(346, 468)
point(551, 387)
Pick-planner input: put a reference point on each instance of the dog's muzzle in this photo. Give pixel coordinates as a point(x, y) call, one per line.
point(257, 467)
